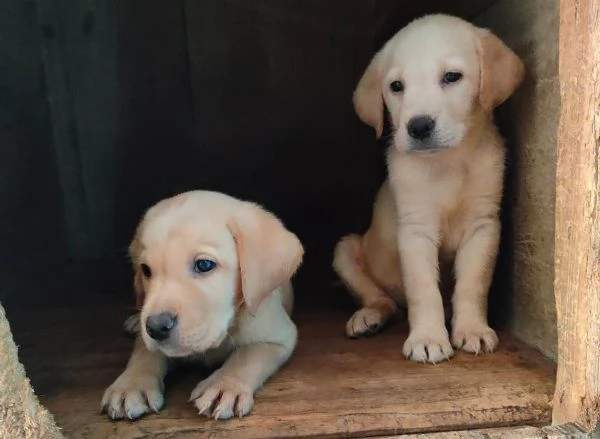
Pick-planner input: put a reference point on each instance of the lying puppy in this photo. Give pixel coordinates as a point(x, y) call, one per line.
point(440, 78)
point(212, 278)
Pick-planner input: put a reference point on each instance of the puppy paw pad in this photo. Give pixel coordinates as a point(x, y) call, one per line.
point(428, 348)
point(475, 339)
point(132, 397)
point(364, 322)
point(222, 398)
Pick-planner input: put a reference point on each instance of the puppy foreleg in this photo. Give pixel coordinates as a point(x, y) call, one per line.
point(474, 265)
point(377, 307)
point(229, 391)
point(139, 389)
point(428, 339)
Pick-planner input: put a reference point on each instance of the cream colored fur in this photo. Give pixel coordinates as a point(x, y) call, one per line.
point(441, 201)
point(236, 316)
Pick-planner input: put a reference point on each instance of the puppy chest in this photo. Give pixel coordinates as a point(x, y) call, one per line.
point(452, 230)
point(456, 209)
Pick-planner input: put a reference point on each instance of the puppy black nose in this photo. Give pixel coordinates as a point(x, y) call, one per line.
point(420, 127)
point(159, 327)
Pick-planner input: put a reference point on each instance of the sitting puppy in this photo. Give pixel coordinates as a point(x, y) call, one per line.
point(212, 278)
point(440, 78)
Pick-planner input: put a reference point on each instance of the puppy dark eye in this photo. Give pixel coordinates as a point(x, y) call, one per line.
point(146, 270)
point(397, 87)
point(204, 266)
point(450, 77)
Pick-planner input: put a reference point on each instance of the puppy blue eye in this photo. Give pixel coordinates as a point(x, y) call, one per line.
point(450, 77)
point(397, 86)
point(204, 266)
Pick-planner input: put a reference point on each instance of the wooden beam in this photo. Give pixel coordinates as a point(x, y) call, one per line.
point(577, 242)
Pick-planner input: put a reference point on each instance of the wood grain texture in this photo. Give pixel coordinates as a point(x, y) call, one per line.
point(577, 272)
point(78, 46)
point(63, 126)
point(569, 431)
point(237, 96)
point(154, 126)
point(332, 387)
point(528, 121)
point(27, 158)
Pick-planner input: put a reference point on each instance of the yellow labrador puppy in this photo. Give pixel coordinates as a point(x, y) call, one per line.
point(440, 78)
point(212, 275)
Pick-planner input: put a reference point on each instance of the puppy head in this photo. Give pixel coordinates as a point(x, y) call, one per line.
point(198, 259)
point(435, 76)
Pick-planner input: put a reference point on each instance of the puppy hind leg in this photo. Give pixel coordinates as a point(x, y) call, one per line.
point(377, 307)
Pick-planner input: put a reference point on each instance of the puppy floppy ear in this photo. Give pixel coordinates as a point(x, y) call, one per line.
point(268, 253)
point(368, 98)
point(501, 70)
point(135, 248)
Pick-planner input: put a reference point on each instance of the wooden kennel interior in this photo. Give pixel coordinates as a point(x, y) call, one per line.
point(107, 107)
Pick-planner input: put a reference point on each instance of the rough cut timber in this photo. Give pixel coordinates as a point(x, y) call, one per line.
point(577, 275)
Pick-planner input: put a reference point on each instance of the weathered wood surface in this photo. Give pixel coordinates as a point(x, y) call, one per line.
point(577, 272)
point(332, 387)
point(567, 431)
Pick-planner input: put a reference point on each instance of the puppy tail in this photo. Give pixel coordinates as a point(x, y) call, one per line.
point(350, 265)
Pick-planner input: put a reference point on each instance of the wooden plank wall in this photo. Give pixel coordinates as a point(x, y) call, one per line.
point(78, 47)
point(142, 99)
point(253, 98)
point(577, 268)
point(155, 137)
point(528, 122)
point(31, 225)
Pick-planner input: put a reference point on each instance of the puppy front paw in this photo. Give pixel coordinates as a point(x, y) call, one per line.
point(428, 346)
point(365, 322)
point(474, 338)
point(131, 396)
point(222, 397)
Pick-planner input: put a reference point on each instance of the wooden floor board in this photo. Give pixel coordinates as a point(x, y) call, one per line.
point(332, 387)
